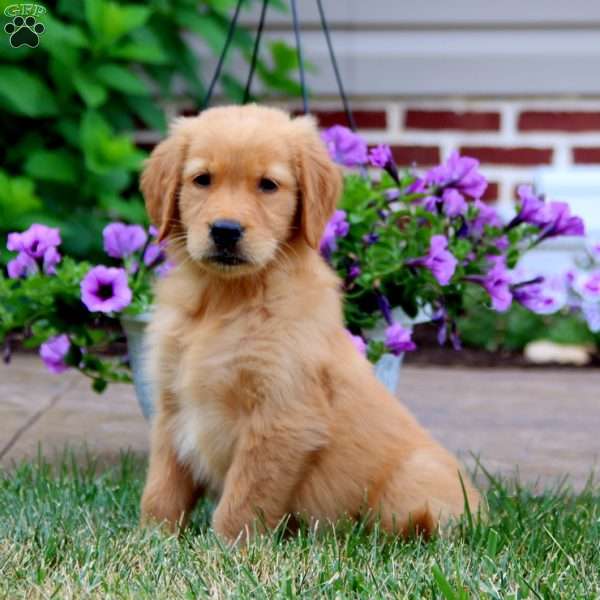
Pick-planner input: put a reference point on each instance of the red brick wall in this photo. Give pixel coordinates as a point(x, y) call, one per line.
point(511, 138)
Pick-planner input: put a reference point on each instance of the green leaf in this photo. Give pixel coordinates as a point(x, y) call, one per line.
point(148, 110)
point(25, 93)
point(61, 39)
point(131, 210)
point(121, 79)
point(206, 26)
point(103, 149)
point(110, 21)
point(94, 94)
point(140, 52)
point(17, 199)
point(52, 165)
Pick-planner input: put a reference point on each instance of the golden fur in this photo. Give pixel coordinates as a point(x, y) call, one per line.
point(262, 398)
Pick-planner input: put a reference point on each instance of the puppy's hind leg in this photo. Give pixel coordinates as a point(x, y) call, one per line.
point(170, 492)
point(425, 494)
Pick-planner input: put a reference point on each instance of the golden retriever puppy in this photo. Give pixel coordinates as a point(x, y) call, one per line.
point(262, 399)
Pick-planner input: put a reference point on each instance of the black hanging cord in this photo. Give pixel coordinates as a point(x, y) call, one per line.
point(338, 78)
point(259, 31)
point(300, 59)
point(228, 39)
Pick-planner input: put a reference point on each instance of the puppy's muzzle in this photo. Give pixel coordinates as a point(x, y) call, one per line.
point(226, 234)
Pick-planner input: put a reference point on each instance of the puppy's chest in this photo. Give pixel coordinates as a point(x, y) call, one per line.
point(221, 377)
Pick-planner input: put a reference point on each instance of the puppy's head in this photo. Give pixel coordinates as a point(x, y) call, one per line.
point(232, 186)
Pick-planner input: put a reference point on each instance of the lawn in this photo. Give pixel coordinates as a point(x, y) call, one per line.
point(71, 532)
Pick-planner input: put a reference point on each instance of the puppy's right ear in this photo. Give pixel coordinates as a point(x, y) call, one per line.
point(161, 179)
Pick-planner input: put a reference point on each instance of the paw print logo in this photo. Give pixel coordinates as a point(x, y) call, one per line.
point(24, 32)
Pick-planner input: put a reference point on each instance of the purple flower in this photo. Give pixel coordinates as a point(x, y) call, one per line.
point(345, 147)
point(354, 271)
point(591, 313)
point(431, 203)
point(459, 172)
point(453, 203)
point(105, 289)
point(385, 307)
point(398, 339)
point(587, 285)
point(122, 240)
point(154, 253)
point(440, 261)
point(486, 215)
point(416, 187)
point(51, 259)
point(370, 238)
point(336, 228)
point(380, 156)
point(358, 342)
point(559, 221)
point(53, 352)
point(162, 269)
point(502, 243)
point(532, 207)
point(34, 241)
point(541, 297)
point(21, 266)
point(392, 194)
point(497, 284)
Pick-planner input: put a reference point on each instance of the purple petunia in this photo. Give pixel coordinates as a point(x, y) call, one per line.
point(380, 156)
point(531, 207)
point(34, 241)
point(163, 268)
point(154, 254)
point(336, 228)
point(21, 266)
point(486, 216)
point(459, 172)
point(121, 241)
point(497, 284)
point(453, 203)
point(345, 147)
point(105, 289)
point(559, 221)
point(37, 251)
point(587, 285)
point(354, 271)
point(398, 339)
point(440, 261)
point(358, 342)
point(53, 352)
point(541, 297)
point(370, 238)
point(51, 259)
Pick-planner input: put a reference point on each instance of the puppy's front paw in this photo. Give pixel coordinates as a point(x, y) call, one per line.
point(229, 529)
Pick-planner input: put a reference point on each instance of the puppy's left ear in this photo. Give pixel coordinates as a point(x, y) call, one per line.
point(319, 178)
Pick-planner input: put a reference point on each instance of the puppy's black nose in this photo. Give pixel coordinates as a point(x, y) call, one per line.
point(226, 233)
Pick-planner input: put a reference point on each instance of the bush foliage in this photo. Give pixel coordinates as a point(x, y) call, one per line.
point(102, 70)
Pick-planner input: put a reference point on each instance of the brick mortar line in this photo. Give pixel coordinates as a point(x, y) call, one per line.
point(33, 419)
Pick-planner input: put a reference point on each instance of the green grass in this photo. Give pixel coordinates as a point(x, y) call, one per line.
point(71, 532)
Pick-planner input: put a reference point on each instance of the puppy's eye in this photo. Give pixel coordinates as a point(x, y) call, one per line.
point(267, 185)
point(203, 180)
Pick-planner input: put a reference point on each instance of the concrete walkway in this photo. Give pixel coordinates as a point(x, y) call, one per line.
point(543, 423)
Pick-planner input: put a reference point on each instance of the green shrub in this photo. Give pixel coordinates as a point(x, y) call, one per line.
point(68, 108)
